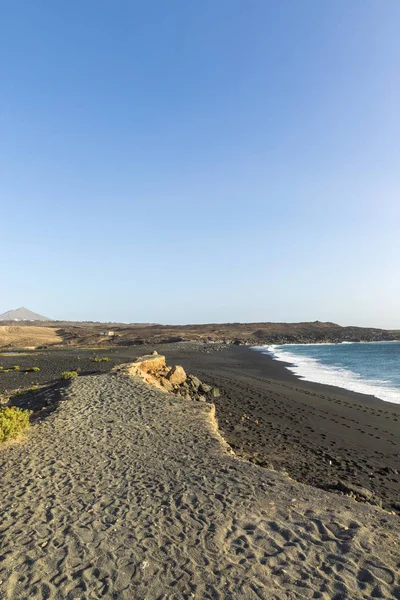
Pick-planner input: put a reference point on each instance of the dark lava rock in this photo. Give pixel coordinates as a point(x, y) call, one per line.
point(215, 393)
point(193, 382)
point(205, 388)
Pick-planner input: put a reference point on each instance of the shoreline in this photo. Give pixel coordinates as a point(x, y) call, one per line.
point(299, 365)
point(322, 435)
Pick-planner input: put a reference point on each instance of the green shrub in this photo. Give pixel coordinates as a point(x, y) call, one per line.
point(32, 370)
point(100, 359)
point(6, 370)
point(69, 375)
point(13, 421)
point(16, 368)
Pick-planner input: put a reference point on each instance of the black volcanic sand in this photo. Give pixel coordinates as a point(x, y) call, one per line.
point(320, 435)
point(51, 363)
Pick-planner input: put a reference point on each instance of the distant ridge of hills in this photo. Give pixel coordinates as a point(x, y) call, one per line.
point(22, 314)
point(94, 333)
point(252, 334)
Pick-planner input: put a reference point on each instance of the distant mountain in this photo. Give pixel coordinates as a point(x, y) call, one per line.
point(22, 314)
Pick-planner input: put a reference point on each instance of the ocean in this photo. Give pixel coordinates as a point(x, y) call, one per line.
point(366, 367)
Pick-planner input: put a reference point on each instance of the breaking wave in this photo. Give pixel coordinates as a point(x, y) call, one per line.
point(311, 369)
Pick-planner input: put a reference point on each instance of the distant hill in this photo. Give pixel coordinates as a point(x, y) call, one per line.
point(22, 314)
point(255, 334)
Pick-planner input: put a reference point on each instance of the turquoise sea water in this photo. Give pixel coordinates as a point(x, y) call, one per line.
point(369, 368)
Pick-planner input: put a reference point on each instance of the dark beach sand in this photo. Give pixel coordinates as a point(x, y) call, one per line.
point(320, 435)
point(128, 493)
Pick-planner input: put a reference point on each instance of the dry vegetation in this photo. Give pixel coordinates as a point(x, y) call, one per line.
point(65, 375)
point(16, 336)
point(13, 422)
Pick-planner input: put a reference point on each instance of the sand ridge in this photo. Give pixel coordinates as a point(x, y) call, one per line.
point(126, 492)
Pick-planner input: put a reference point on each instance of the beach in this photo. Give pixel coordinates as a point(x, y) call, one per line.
point(199, 324)
point(321, 435)
point(127, 492)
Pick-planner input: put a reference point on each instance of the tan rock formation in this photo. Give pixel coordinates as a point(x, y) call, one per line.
point(153, 370)
point(167, 385)
point(177, 375)
point(152, 364)
point(150, 368)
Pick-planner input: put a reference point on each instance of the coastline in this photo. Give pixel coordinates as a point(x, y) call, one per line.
point(315, 370)
point(322, 435)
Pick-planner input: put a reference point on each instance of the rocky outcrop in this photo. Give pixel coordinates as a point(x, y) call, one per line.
point(151, 364)
point(153, 370)
point(177, 375)
point(149, 368)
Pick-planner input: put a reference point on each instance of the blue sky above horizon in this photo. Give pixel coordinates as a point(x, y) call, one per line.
point(189, 162)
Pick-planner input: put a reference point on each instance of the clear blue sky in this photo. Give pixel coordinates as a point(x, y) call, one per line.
point(193, 161)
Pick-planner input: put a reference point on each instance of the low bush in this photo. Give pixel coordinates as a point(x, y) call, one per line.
point(16, 368)
point(100, 359)
point(32, 370)
point(13, 421)
point(69, 375)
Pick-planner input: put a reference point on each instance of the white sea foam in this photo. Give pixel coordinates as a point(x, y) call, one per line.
point(311, 369)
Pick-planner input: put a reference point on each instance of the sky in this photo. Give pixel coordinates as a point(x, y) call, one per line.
point(173, 161)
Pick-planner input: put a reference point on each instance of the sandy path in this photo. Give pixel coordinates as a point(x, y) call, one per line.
point(127, 493)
